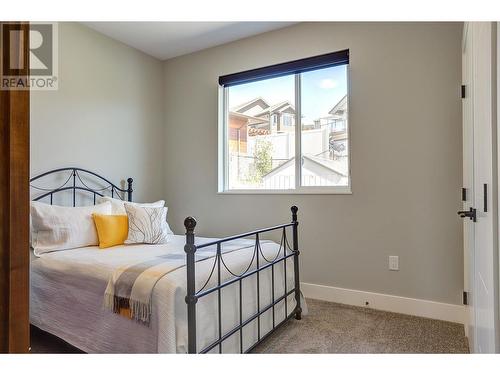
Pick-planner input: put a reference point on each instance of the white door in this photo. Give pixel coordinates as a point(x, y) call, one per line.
point(468, 178)
point(480, 237)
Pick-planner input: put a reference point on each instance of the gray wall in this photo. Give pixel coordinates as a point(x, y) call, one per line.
point(106, 116)
point(405, 119)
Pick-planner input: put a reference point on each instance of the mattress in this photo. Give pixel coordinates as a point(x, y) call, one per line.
point(67, 290)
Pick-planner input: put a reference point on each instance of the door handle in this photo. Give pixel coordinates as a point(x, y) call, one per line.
point(471, 214)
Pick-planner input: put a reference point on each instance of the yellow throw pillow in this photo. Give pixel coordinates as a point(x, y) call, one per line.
point(112, 230)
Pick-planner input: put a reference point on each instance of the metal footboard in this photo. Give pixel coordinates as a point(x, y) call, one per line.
point(193, 295)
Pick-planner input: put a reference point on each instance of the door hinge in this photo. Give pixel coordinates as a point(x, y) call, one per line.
point(464, 194)
point(485, 197)
point(463, 91)
point(465, 298)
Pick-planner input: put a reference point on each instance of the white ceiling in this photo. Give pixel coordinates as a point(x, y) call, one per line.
point(165, 40)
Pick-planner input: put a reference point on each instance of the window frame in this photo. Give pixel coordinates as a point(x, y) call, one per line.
point(223, 146)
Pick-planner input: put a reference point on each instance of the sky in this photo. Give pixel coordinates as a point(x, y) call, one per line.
point(321, 90)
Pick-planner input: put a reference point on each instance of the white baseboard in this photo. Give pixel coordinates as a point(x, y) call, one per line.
point(386, 302)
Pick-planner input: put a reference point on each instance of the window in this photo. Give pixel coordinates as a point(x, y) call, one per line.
point(288, 119)
point(284, 128)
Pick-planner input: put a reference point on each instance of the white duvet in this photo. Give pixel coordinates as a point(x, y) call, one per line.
point(67, 289)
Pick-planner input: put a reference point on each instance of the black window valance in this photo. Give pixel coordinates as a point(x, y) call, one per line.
point(292, 67)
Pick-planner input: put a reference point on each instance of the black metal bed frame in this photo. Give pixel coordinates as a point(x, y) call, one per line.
point(285, 252)
point(75, 178)
point(193, 296)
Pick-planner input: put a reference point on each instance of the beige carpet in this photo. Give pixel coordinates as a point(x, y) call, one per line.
point(335, 328)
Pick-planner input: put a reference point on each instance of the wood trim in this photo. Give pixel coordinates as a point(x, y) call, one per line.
point(14, 207)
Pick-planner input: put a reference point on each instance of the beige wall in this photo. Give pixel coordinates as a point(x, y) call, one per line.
point(106, 116)
point(405, 119)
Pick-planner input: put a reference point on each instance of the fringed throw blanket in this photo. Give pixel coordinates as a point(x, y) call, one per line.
point(130, 288)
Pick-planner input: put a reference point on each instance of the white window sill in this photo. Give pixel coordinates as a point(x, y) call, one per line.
point(327, 190)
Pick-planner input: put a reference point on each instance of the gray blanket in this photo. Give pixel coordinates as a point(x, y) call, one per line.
point(130, 288)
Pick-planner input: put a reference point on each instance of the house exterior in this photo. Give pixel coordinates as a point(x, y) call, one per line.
point(338, 130)
point(336, 124)
point(239, 131)
point(316, 171)
point(279, 117)
point(324, 143)
point(257, 117)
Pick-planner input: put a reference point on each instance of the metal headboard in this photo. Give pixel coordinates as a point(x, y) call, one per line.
point(75, 182)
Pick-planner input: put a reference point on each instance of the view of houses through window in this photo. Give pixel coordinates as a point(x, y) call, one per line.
point(261, 131)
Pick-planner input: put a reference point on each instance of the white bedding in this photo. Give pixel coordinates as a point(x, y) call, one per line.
point(67, 289)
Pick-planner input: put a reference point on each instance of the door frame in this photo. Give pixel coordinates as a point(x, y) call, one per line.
point(14, 198)
point(481, 262)
point(485, 173)
point(496, 71)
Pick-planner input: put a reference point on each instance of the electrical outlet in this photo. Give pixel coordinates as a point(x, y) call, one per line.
point(394, 263)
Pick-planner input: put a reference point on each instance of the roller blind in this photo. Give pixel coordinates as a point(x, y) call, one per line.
point(291, 67)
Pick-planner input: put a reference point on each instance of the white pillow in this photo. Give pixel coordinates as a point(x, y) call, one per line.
point(118, 208)
point(62, 228)
point(146, 224)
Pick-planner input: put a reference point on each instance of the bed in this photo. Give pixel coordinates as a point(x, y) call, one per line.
point(223, 295)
